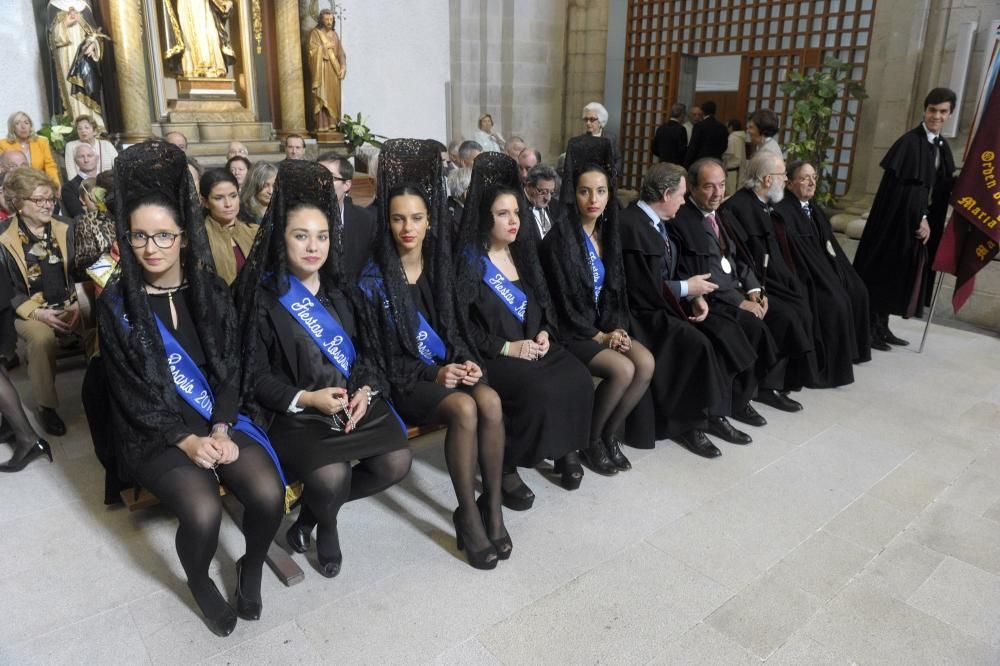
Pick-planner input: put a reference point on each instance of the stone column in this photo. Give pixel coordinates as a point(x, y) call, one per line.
point(289, 53)
point(126, 31)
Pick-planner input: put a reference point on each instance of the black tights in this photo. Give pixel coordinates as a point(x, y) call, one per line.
point(475, 438)
point(329, 487)
point(192, 493)
point(624, 379)
point(13, 413)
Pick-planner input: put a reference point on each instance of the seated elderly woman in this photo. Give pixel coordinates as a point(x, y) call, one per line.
point(21, 136)
point(38, 252)
point(487, 137)
point(255, 194)
point(86, 132)
point(762, 128)
point(239, 166)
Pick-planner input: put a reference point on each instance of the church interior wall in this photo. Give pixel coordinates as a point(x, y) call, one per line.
point(21, 76)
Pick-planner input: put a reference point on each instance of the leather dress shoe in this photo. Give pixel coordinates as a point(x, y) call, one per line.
point(596, 458)
point(616, 456)
point(298, 537)
point(888, 337)
point(747, 414)
point(879, 343)
point(778, 400)
point(51, 422)
point(723, 429)
point(696, 442)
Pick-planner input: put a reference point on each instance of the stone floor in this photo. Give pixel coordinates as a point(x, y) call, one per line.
point(864, 530)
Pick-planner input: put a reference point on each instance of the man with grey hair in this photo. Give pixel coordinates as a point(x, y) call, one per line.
point(692, 390)
point(87, 166)
point(708, 242)
point(178, 139)
point(752, 217)
point(671, 139)
point(529, 158)
point(237, 149)
point(541, 186)
point(515, 145)
point(467, 152)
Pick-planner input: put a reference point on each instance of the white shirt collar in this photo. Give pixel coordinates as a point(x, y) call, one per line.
point(931, 137)
point(647, 209)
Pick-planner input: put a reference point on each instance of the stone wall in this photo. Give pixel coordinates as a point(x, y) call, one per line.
point(507, 59)
point(586, 56)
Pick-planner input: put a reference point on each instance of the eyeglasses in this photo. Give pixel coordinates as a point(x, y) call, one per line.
point(544, 193)
point(806, 179)
point(163, 239)
point(590, 120)
point(782, 174)
point(42, 201)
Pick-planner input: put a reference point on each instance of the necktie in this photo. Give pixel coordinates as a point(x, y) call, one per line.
point(715, 225)
point(543, 220)
point(937, 151)
point(807, 209)
point(662, 228)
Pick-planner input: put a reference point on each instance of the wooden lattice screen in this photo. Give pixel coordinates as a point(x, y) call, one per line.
point(772, 36)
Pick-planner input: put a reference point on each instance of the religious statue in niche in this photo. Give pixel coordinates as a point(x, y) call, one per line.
point(197, 37)
point(327, 68)
point(76, 48)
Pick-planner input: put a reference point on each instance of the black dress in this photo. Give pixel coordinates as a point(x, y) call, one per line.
point(8, 336)
point(546, 403)
point(416, 403)
point(289, 361)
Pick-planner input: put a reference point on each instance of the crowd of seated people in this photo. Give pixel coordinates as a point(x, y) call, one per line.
point(482, 291)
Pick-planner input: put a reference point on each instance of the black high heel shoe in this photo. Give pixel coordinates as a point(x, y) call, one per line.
point(503, 545)
point(484, 559)
point(519, 497)
point(298, 537)
point(571, 470)
point(223, 623)
point(615, 455)
point(329, 567)
point(246, 608)
point(19, 460)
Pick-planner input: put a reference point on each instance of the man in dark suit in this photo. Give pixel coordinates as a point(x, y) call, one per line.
point(542, 183)
point(87, 166)
point(670, 316)
point(671, 139)
point(708, 242)
point(709, 138)
point(359, 223)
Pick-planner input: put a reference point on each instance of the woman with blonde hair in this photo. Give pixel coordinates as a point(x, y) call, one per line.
point(21, 136)
point(255, 194)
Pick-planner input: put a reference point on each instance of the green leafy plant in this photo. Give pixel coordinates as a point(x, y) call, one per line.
point(813, 95)
point(59, 132)
point(356, 132)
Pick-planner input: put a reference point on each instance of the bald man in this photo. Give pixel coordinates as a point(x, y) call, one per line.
point(526, 161)
point(178, 139)
point(12, 159)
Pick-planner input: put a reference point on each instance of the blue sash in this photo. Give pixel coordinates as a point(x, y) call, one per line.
point(515, 299)
point(596, 267)
point(324, 330)
point(193, 388)
point(430, 346)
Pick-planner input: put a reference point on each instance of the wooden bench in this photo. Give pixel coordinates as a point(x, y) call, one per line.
point(281, 563)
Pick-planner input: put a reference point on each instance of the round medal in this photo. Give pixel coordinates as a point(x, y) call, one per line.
point(726, 266)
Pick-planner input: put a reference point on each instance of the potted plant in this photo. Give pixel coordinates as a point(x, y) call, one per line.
point(357, 133)
point(59, 132)
point(813, 96)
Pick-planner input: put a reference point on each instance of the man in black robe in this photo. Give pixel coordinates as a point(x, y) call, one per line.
point(709, 138)
point(907, 218)
point(708, 243)
point(819, 260)
point(359, 223)
point(664, 308)
point(671, 140)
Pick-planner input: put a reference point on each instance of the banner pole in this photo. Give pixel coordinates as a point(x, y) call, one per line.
point(930, 313)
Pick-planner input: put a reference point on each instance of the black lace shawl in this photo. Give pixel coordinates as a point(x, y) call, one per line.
point(144, 397)
point(562, 252)
point(492, 172)
point(389, 311)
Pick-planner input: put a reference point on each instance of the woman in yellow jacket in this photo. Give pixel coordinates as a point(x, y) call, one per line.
point(21, 136)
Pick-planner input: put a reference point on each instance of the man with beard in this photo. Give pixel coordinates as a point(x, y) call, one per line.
point(825, 270)
point(790, 317)
point(664, 309)
point(907, 219)
point(708, 242)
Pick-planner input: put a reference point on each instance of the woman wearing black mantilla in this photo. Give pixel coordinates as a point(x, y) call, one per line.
point(583, 263)
point(410, 296)
point(317, 382)
point(547, 394)
point(169, 341)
